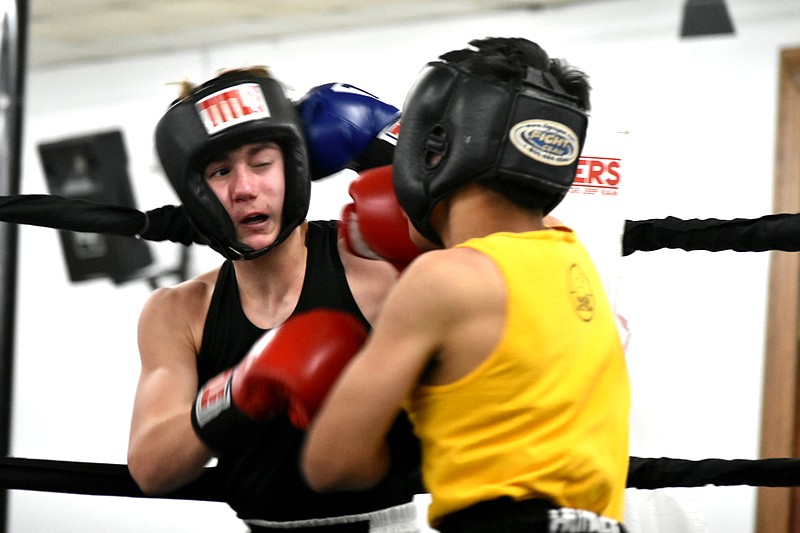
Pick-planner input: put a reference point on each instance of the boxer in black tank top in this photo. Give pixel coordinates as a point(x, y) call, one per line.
point(244, 181)
point(263, 480)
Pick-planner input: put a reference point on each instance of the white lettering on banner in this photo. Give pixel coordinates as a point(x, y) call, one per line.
point(597, 175)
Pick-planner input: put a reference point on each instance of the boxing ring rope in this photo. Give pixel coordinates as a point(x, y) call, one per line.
point(164, 223)
point(779, 232)
point(664, 472)
point(95, 479)
point(101, 479)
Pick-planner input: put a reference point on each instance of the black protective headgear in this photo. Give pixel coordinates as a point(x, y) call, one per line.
point(220, 115)
point(459, 127)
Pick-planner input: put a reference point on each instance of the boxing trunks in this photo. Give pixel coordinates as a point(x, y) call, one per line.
point(505, 515)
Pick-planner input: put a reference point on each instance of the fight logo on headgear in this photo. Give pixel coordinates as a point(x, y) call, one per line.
point(546, 141)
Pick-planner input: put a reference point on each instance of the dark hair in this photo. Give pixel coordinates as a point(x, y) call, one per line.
point(508, 59)
point(187, 88)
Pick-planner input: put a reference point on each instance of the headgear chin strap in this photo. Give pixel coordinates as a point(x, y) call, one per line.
point(220, 115)
point(459, 128)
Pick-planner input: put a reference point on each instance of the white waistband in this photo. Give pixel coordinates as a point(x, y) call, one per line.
point(397, 519)
point(567, 520)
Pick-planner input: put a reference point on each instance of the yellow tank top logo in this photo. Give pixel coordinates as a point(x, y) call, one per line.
point(581, 292)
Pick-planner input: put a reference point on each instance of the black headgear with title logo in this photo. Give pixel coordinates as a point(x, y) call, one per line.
point(460, 127)
point(222, 114)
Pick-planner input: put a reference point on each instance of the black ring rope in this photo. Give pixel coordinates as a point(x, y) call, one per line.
point(771, 232)
point(96, 479)
point(164, 223)
point(779, 232)
point(99, 479)
point(663, 472)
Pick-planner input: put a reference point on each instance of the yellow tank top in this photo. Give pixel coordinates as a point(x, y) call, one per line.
point(546, 414)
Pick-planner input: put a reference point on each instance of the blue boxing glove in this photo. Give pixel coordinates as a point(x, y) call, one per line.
point(347, 127)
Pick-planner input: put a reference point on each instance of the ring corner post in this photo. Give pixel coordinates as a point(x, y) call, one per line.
point(13, 40)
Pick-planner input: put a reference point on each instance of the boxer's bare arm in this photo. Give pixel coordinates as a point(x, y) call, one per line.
point(370, 281)
point(164, 452)
point(438, 324)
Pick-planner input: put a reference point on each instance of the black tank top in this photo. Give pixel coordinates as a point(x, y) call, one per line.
point(263, 480)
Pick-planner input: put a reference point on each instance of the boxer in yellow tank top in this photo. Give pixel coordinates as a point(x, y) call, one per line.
point(501, 346)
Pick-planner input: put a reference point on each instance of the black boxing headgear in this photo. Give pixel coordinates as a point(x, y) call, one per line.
point(459, 127)
point(220, 115)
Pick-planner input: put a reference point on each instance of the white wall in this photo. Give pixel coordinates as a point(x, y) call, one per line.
point(701, 114)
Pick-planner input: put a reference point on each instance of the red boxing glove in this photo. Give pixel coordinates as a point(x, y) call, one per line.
point(374, 225)
point(293, 366)
point(289, 369)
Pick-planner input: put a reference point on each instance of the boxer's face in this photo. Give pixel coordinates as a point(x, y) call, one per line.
point(249, 181)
